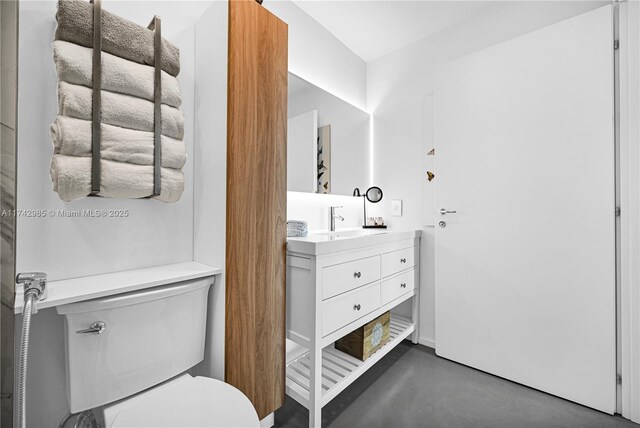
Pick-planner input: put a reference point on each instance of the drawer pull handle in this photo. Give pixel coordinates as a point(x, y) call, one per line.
point(403, 260)
point(356, 307)
point(357, 274)
point(403, 285)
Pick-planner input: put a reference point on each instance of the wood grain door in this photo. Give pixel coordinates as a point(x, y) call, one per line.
point(256, 205)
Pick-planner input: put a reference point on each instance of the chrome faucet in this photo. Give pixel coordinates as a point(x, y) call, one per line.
point(333, 217)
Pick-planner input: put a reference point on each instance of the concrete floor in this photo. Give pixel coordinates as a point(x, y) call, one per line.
point(412, 387)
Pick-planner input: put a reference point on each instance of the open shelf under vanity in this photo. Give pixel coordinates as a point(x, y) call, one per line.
point(339, 370)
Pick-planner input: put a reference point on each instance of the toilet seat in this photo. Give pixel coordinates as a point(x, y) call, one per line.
point(184, 402)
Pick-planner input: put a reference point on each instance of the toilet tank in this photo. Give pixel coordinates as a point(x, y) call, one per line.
point(150, 336)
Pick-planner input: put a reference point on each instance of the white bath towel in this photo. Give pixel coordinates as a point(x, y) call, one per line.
point(295, 233)
point(74, 65)
point(120, 36)
point(71, 178)
point(72, 137)
point(297, 228)
point(119, 110)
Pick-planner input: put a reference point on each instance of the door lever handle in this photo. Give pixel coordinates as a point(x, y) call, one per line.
point(444, 211)
point(97, 327)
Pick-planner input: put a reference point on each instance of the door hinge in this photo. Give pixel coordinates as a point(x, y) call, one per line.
point(616, 44)
point(619, 379)
point(617, 211)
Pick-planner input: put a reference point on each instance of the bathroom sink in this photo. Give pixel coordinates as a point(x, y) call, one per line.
point(344, 234)
point(348, 239)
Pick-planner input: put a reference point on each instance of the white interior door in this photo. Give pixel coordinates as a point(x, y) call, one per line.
point(525, 155)
point(302, 153)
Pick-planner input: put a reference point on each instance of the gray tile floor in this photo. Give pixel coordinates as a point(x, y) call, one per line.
point(412, 387)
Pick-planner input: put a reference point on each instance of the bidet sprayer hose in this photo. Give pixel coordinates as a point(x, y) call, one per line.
point(35, 288)
point(29, 298)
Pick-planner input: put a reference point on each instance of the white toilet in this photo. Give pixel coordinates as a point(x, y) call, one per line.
point(126, 358)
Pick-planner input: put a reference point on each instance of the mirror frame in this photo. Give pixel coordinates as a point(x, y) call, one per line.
point(373, 188)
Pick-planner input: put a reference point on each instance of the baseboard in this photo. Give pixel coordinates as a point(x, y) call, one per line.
point(430, 343)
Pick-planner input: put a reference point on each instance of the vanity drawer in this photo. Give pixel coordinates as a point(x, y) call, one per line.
point(340, 278)
point(396, 286)
point(397, 261)
point(344, 309)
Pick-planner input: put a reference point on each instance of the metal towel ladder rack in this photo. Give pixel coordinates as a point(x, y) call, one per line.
point(96, 115)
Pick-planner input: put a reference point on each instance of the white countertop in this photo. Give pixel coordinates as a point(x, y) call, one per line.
point(348, 239)
point(73, 290)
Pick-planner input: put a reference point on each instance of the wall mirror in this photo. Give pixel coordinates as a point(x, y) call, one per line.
point(327, 141)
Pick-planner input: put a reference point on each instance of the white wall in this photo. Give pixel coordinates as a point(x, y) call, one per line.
point(153, 234)
point(210, 158)
point(400, 85)
point(319, 57)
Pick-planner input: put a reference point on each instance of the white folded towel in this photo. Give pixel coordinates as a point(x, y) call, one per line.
point(297, 223)
point(297, 228)
point(74, 65)
point(119, 110)
point(72, 137)
point(292, 233)
point(71, 178)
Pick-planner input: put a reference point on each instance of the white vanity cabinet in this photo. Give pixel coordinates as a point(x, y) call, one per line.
point(336, 284)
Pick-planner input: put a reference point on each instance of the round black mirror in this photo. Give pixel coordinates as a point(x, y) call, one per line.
point(374, 194)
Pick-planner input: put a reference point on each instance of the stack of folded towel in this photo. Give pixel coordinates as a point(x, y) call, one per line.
point(297, 228)
point(127, 141)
